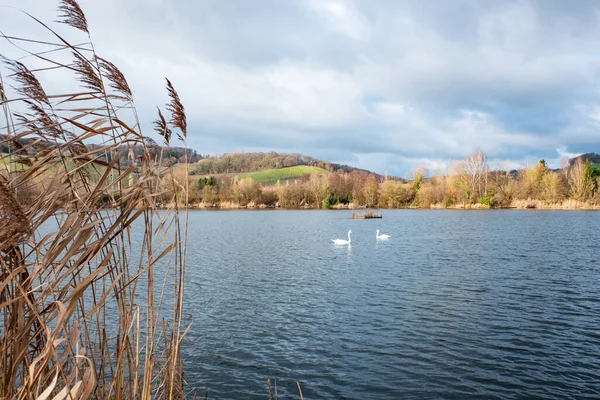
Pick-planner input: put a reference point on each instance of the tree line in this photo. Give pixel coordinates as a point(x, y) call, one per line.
point(128, 154)
point(257, 161)
point(469, 184)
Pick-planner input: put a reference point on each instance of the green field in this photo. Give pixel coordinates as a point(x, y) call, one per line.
point(271, 176)
point(95, 170)
point(7, 164)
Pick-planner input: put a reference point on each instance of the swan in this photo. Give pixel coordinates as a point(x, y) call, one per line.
point(342, 241)
point(381, 237)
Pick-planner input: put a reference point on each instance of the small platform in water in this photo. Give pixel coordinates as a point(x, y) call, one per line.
point(365, 215)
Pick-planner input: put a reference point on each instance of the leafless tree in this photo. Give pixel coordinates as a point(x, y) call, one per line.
point(475, 169)
point(317, 187)
point(580, 181)
point(370, 191)
point(565, 166)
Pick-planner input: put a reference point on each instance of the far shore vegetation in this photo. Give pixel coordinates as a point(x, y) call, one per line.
point(294, 181)
point(470, 184)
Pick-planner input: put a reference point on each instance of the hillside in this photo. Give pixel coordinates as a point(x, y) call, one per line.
point(226, 164)
point(272, 176)
point(236, 163)
point(591, 157)
point(31, 145)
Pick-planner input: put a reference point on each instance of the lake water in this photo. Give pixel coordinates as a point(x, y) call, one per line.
point(458, 304)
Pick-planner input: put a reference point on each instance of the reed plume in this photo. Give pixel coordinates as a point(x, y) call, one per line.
point(175, 107)
point(116, 78)
point(27, 84)
point(78, 307)
point(150, 143)
point(160, 127)
point(39, 121)
point(87, 75)
point(71, 14)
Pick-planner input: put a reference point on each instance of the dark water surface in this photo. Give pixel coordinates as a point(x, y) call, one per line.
point(458, 304)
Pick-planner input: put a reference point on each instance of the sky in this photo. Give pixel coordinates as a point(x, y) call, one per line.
point(385, 85)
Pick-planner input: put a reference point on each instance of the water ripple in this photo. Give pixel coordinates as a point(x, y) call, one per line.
point(494, 305)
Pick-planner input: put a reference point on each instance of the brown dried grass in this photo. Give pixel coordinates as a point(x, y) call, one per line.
point(83, 309)
point(15, 224)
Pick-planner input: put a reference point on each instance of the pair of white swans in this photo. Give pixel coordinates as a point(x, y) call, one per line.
point(349, 241)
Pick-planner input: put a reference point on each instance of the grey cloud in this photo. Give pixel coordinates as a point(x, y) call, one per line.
point(383, 84)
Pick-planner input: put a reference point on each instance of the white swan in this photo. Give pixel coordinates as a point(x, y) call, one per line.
point(381, 237)
point(342, 241)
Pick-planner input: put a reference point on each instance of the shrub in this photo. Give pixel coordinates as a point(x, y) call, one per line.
point(394, 194)
point(430, 194)
point(267, 197)
point(291, 196)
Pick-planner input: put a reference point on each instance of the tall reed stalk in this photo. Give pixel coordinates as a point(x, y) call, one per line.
point(87, 263)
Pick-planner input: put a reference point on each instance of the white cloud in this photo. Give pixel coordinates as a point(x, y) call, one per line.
point(387, 84)
point(592, 112)
point(342, 16)
point(284, 93)
point(563, 152)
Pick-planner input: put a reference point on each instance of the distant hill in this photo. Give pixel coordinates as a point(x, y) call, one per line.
point(33, 144)
point(591, 157)
point(238, 163)
point(230, 163)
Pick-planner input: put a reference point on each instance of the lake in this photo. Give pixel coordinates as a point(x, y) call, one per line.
point(457, 304)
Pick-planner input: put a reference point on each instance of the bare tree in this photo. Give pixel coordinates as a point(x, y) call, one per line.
point(370, 191)
point(581, 182)
point(552, 187)
point(565, 166)
point(318, 187)
point(476, 170)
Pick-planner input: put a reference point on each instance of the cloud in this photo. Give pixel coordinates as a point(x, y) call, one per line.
point(342, 16)
point(383, 85)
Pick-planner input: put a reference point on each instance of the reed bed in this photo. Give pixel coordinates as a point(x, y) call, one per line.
point(366, 215)
point(84, 306)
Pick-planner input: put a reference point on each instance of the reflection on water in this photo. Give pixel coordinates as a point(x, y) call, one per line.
point(349, 252)
point(498, 304)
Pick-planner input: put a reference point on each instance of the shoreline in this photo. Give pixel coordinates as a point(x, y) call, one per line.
point(460, 207)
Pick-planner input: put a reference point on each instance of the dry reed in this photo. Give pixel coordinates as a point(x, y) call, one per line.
point(83, 306)
point(366, 215)
point(14, 222)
